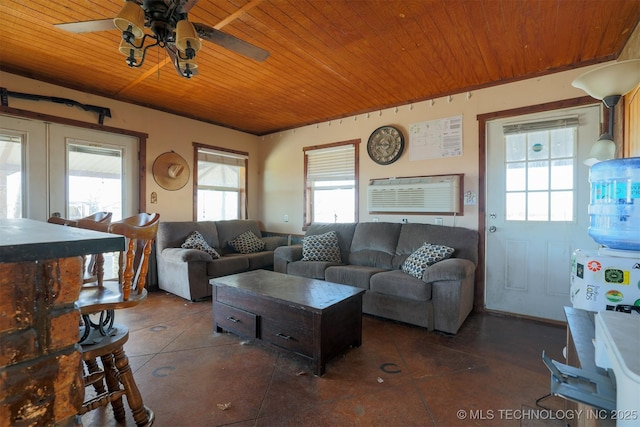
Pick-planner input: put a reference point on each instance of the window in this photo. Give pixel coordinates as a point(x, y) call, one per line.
point(11, 176)
point(330, 183)
point(95, 180)
point(540, 159)
point(221, 184)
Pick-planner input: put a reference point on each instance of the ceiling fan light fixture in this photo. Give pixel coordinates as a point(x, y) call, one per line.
point(188, 68)
point(131, 15)
point(187, 37)
point(127, 49)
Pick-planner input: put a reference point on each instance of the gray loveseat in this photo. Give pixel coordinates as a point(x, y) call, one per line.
point(371, 258)
point(186, 272)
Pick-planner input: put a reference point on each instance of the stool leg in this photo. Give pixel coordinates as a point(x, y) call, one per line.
point(140, 414)
point(111, 378)
point(92, 366)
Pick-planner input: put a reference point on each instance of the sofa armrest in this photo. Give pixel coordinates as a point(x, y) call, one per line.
point(452, 291)
point(185, 255)
point(283, 255)
point(449, 269)
point(273, 242)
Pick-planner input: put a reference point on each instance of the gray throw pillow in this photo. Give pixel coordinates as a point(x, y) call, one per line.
point(247, 243)
point(321, 247)
point(196, 241)
point(426, 255)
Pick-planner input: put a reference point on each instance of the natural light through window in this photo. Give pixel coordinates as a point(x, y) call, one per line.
point(540, 169)
point(220, 186)
point(95, 181)
point(11, 172)
point(330, 177)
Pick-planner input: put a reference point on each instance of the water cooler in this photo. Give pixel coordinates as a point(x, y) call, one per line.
point(607, 281)
point(610, 276)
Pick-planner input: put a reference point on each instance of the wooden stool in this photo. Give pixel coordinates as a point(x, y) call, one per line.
point(117, 374)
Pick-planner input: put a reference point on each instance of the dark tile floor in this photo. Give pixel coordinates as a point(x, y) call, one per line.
point(489, 374)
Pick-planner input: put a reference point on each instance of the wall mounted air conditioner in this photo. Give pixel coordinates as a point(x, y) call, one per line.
point(427, 194)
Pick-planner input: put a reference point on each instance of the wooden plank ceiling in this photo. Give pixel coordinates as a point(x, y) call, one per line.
point(328, 58)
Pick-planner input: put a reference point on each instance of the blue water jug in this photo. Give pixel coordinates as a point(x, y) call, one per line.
point(614, 208)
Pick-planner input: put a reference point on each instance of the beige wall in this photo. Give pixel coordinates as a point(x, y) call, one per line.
point(282, 155)
point(276, 161)
point(166, 132)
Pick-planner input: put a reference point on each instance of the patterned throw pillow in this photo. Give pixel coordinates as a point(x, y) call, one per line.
point(247, 243)
point(321, 247)
point(426, 255)
point(196, 241)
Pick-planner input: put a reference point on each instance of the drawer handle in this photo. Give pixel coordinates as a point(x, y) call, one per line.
point(233, 319)
point(283, 336)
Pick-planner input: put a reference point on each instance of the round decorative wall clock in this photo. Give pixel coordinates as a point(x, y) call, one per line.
point(385, 145)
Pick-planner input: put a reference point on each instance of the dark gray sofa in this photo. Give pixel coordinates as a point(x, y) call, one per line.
point(186, 272)
point(372, 255)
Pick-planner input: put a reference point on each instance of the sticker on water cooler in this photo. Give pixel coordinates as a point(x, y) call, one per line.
point(614, 296)
point(616, 276)
point(580, 270)
point(594, 265)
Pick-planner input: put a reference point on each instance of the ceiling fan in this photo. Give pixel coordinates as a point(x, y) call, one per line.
point(170, 29)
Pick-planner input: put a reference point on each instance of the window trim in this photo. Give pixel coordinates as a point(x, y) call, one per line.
point(307, 208)
point(243, 191)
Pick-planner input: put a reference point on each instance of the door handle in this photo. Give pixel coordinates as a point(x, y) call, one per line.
point(492, 229)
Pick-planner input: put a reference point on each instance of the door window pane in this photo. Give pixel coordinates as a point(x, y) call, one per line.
point(538, 176)
point(95, 180)
point(516, 206)
point(539, 160)
point(11, 176)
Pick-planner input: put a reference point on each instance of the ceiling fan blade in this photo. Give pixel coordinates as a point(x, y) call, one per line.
point(230, 42)
point(188, 4)
point(87, 26)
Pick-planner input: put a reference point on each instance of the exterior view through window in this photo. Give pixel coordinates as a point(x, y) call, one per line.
point(11, 175)
point(330, 183)
point(221, 185)
point(539, 170)
point(95, 180)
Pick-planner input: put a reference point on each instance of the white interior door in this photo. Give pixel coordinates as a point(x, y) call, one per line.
point(536, 215)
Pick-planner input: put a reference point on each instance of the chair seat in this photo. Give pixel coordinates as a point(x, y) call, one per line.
point(94, 298)
point(117, 375)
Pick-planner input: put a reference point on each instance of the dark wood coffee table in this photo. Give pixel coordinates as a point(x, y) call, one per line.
point(313, 318)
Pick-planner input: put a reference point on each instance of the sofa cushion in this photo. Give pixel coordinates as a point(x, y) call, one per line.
point(196, 241)
point(247, 243)
point(262, 259)
point(413, 235)
point(374, 244)
point(321, 247)
point(228, 264)
point(426, 255)
point(343, 230)
point(353, 275)
point(309, 269)
point(400, 284)
point(232, 228)
point(172, 234)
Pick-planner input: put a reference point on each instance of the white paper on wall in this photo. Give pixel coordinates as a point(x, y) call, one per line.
point(435, 139)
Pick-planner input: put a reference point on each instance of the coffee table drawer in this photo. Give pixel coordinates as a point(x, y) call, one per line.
point(234, 320)
point(287, 336)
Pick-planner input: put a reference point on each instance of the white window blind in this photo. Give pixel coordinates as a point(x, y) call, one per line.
point(331, 164)
point(566, 122)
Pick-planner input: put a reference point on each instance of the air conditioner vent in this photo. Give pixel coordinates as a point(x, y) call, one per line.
point(433, 194)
